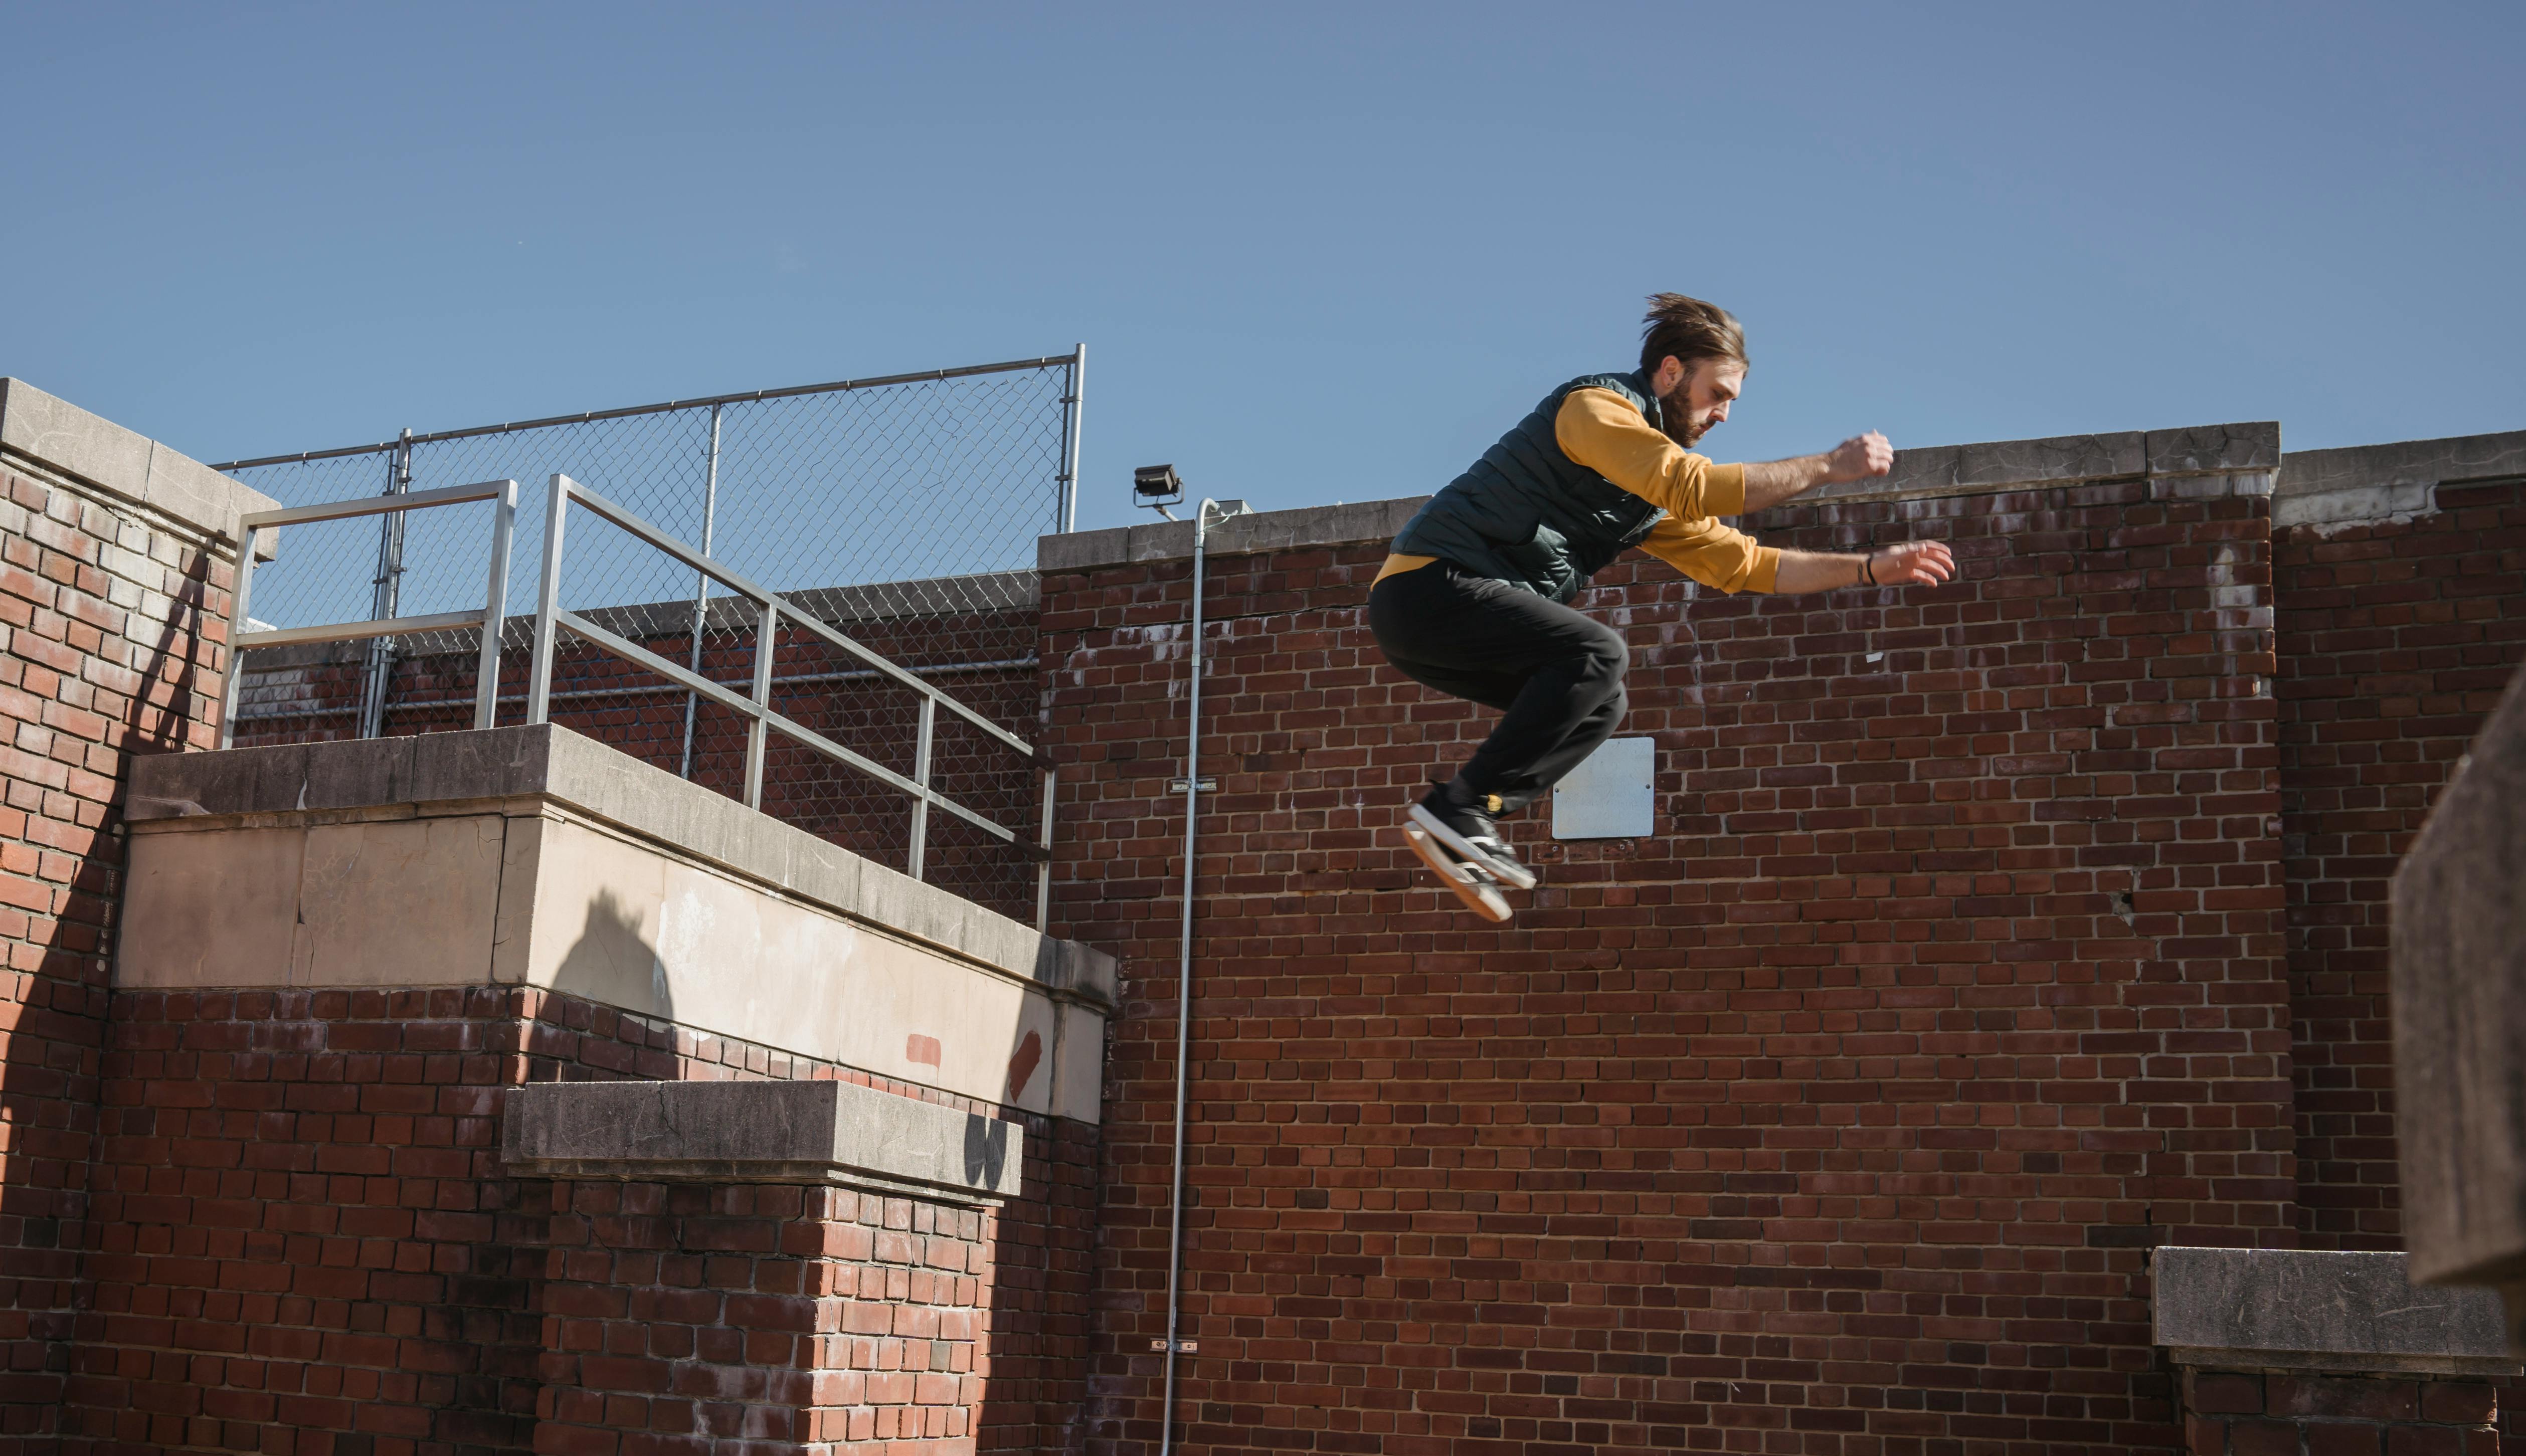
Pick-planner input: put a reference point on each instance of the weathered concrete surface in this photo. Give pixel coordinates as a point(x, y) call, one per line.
point(532, 856)
point(758, 1131)
point(2305, 1308)
point(2248, 453)
point(57, 434)
point(2460, 998)
point(2364, 484)
point(1344, 524)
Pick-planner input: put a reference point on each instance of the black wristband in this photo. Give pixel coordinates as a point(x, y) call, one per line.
point(1868, 568)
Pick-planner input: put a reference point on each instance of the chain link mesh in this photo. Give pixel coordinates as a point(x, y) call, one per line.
point(902, 513)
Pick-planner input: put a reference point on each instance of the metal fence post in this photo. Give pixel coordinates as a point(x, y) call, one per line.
point(234, 677)
point(701, 581)
point(388, 597)
point(767, 639)
point(920, 775)
point(495, 608)
point(1043, 865)
point(1073, 416)
point(547, 601)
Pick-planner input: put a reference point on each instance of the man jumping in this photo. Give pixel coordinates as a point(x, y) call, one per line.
point(1474, 600)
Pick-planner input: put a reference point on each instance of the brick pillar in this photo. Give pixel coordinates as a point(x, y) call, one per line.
point(116, 558)
point(762, 1317)
point(2401, 596)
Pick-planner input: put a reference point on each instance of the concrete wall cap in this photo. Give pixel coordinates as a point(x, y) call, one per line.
point(2457, 977)
point(2307, 1309)
point(760, 1131)
point(550, 762)
point(2247, 449)
point(1350, 524)
point(2392, 481)
point(89, 448)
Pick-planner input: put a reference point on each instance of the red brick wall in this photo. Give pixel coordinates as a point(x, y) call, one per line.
point(303, 1242)
point(1834, 1118)
point(112, 620)
point(763, 1317)
point(2395, 639)
point(2228, 1414)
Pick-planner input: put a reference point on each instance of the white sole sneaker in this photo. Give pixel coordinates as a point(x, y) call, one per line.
point(1506, 870)
point(1468, 883)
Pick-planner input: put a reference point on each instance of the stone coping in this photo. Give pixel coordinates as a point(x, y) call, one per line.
point(62, 436)
point(2309, 1309)
point(2394, 482)
point(551, 762)
point(760, 1132)
point(2457, 979)
point(2250, 448)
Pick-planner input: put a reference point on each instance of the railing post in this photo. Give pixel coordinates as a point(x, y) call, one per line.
point(495, 608)
point(1043, 865)
point(701, 579)
point(547, 601)
point(767, 639)
point(920, 775)
point(388, 597)
point(1073, 416)
point(236, 675)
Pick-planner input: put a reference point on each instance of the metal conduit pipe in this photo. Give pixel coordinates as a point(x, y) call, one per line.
point(1183, 977)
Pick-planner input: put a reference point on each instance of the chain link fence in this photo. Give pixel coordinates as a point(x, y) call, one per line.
point(902, 512)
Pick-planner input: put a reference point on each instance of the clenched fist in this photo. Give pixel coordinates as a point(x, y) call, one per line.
point(1860, 457)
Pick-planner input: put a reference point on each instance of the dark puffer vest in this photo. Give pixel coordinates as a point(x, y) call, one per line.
point(1528, 514)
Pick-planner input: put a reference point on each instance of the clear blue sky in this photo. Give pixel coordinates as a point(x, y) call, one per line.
point(1317, 252)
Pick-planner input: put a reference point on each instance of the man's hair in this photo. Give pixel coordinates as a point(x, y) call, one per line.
point(1690, 330)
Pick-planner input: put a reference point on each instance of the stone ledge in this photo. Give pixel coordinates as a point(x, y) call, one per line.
point(88, 448)
point(2304, 1309)
point(2246, 449)
point(759, 1131)
point(2395, 481)
point(199, 791)
point(1352, 523)
point(2457, 979)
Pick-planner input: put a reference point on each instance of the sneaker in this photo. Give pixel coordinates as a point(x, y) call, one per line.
point(1469, 830)
point(1474, 885)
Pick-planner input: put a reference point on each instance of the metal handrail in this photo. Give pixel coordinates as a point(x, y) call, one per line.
point(755, 705)
point(494, 597)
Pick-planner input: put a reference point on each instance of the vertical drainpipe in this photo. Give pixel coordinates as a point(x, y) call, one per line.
point(1183, 974)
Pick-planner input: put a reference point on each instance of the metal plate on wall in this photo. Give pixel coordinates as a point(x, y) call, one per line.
point(1610, 795)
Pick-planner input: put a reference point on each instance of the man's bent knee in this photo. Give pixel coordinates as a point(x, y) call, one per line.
point(1607, 658)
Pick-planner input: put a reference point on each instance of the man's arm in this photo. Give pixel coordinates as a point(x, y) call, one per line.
point(1855, 459)
point(1909, 564)
point(1605, 433)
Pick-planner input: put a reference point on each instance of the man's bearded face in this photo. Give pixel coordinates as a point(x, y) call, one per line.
point(1700, 399)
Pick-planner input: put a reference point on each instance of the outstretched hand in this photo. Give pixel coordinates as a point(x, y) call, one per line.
point(1912, 564)
point(1860, 457)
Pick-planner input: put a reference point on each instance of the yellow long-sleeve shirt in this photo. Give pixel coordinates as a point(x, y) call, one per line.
point(1602, 431)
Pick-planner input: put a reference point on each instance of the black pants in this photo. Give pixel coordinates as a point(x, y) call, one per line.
point(1555, 675)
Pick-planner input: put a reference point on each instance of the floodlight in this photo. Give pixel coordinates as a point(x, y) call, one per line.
point(1156, 487)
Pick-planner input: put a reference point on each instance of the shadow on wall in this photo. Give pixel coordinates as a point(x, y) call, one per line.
point(613, 963)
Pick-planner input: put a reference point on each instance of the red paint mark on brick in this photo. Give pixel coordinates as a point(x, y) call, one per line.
point(921, 1049)
point(1030, 1054)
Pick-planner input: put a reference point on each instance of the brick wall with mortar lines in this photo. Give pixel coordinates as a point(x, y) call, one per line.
point(771, 1319)
point(2227, 1413)
point(303, 1242)
point(2395, 639)
point(114, 622)
point(1837, 1117)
